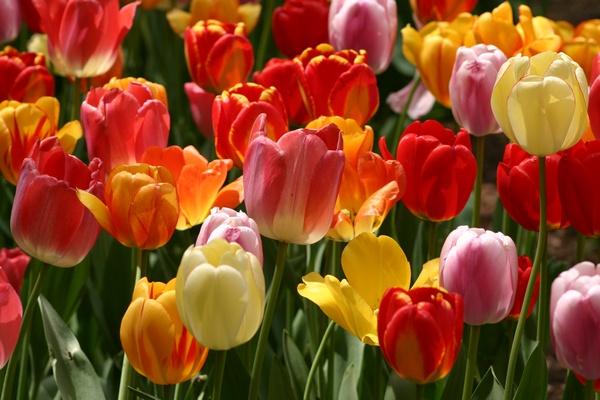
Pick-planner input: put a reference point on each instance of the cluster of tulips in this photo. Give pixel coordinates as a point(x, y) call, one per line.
point(279, 222)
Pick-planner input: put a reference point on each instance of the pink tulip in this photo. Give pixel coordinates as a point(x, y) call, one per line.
point(10, 21)
point(201, 103)
point(291, 185)
point(471, 84)
point(48, 221)
point(349, 22)
point(84, 35)
point(11, 314)
point(13, 264)
point(482, 266)
point(233, 226)
point(120, 125)
point(574, 322)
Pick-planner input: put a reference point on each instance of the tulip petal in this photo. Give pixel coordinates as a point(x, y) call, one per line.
point(11, 312)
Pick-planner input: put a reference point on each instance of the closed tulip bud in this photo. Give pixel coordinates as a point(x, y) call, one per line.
point(519, 189)
point(420, 332)
point(234, 112)
point(25, 77)
point(47, 221)
point(541, 102)
point(574, 323)
point(290, 20)
point(84, 35)
point(120, 124)
point(444, 10)
point(233, 226)
point(220, 293)
point(440, 169)
point(482, 267)
point(471, 84)
point(525, 267)
point(347, 21)
point(22, 123)
point(154, 339)
point(11, 315)
point(13, 264)
point(291, 185)
point(139, 207)
point(218, 55)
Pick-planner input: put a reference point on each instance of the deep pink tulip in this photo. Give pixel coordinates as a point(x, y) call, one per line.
point(13, 264)
point(291, 185)
point(201, 103)
point(471, 84)
point(84, 35)
point(10, 20)
point(482, 266)
point(48, 221)
point(574, 322)
point(11, 314)
point(594, 98)
point(233, 226)
point(120, 125)
point(349, 22)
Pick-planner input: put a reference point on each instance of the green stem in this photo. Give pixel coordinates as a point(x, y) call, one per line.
point(25, 325)
point(580, 247)
point(266, 325)
point(315, 364)
point(177, 393)
point(378, 372)
point(420, 390)
point(431, 245)
point(537, 262)
point(403, 114)
point(479, 155)
point(219, 370)
point(589, 389)
point(471, 361)
point(76, 104)
point(543, 298)
point(267, 14)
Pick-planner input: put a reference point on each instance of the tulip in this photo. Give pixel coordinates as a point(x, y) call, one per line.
point(21, 124)
point(594, 97)
point(291, 185)
point(218, 55)
point(120, 124)
point(30, 15)
point(220, 292)
point(353, 303)
point(139, 207)
point(348, 20)
point(227, 11)
point(157, 90)
point(47, 220)
point(420, 332)
point(370, 186)
point(497, 28)
point(114, 73)
point(25, 77)
point(201, 103)
point(440, 169)
point(199, 183)
point(233, 115)
point(525, 267)
point(233, 226)
point(583, 44)
point(574, 319)
point(482, 267)
point(440, 10)
point(421, 99)
point(154, 339)
point(541, 102)
point(10, 20)
point(432, 50)
point(13, 264)
point(519, 189)
point(471, 84)
point(290, 20)
point(11, 315)
point(580, 199)
point(337, 83)
point(84, 35)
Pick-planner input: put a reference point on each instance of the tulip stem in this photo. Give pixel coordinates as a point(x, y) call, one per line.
point(580, 247)
point(479, 155)
point(471, 361)
point(266, 325)
point(537, 262)
point(589, 389)
point(542, 322)
point(76, 100)
point(25, 325)
point(315, 364)
point(420, 390)
point(431, 245)
point(219, 370)
point(264, 34)
point(403, 114)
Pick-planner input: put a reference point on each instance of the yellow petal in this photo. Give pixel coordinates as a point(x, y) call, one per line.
point(430, 274)
point(68, 135)
point(179, 20)
point(98, 209)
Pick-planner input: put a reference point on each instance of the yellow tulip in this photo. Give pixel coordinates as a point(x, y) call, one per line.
point(540, 102)
point(537, 33)
point(496, 28)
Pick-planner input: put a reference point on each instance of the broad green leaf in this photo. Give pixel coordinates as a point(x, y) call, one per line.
point(280, 386)
point(398, 388)
point(534, 382)
point(489, 388)
point(574, 390)
point(348, 386)
point(75, 376)
point(454, 382)
point(348, 350)
point(296, 366)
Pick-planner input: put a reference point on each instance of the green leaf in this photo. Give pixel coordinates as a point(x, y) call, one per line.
point(534, 382)
point(141, 395)
point(296, 366)
point(280, 386)
point(489, 388)
point(454, 382)
point(348, 386)
point(75, 376)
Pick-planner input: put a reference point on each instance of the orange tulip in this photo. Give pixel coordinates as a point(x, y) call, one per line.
point(156, 343)
point(199, 182)
point(537, 33)
point(440, 10)
point(581, 43)
point(140, 207)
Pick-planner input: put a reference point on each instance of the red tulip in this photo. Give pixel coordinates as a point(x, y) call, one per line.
point(47, 220)
point(519, 189)
point(420, 332)
point(594, 98)
point(25, 77)
point(11, 314)
point(13, 264)
point(201, 103)
point(525, 267)
point(440, 169)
